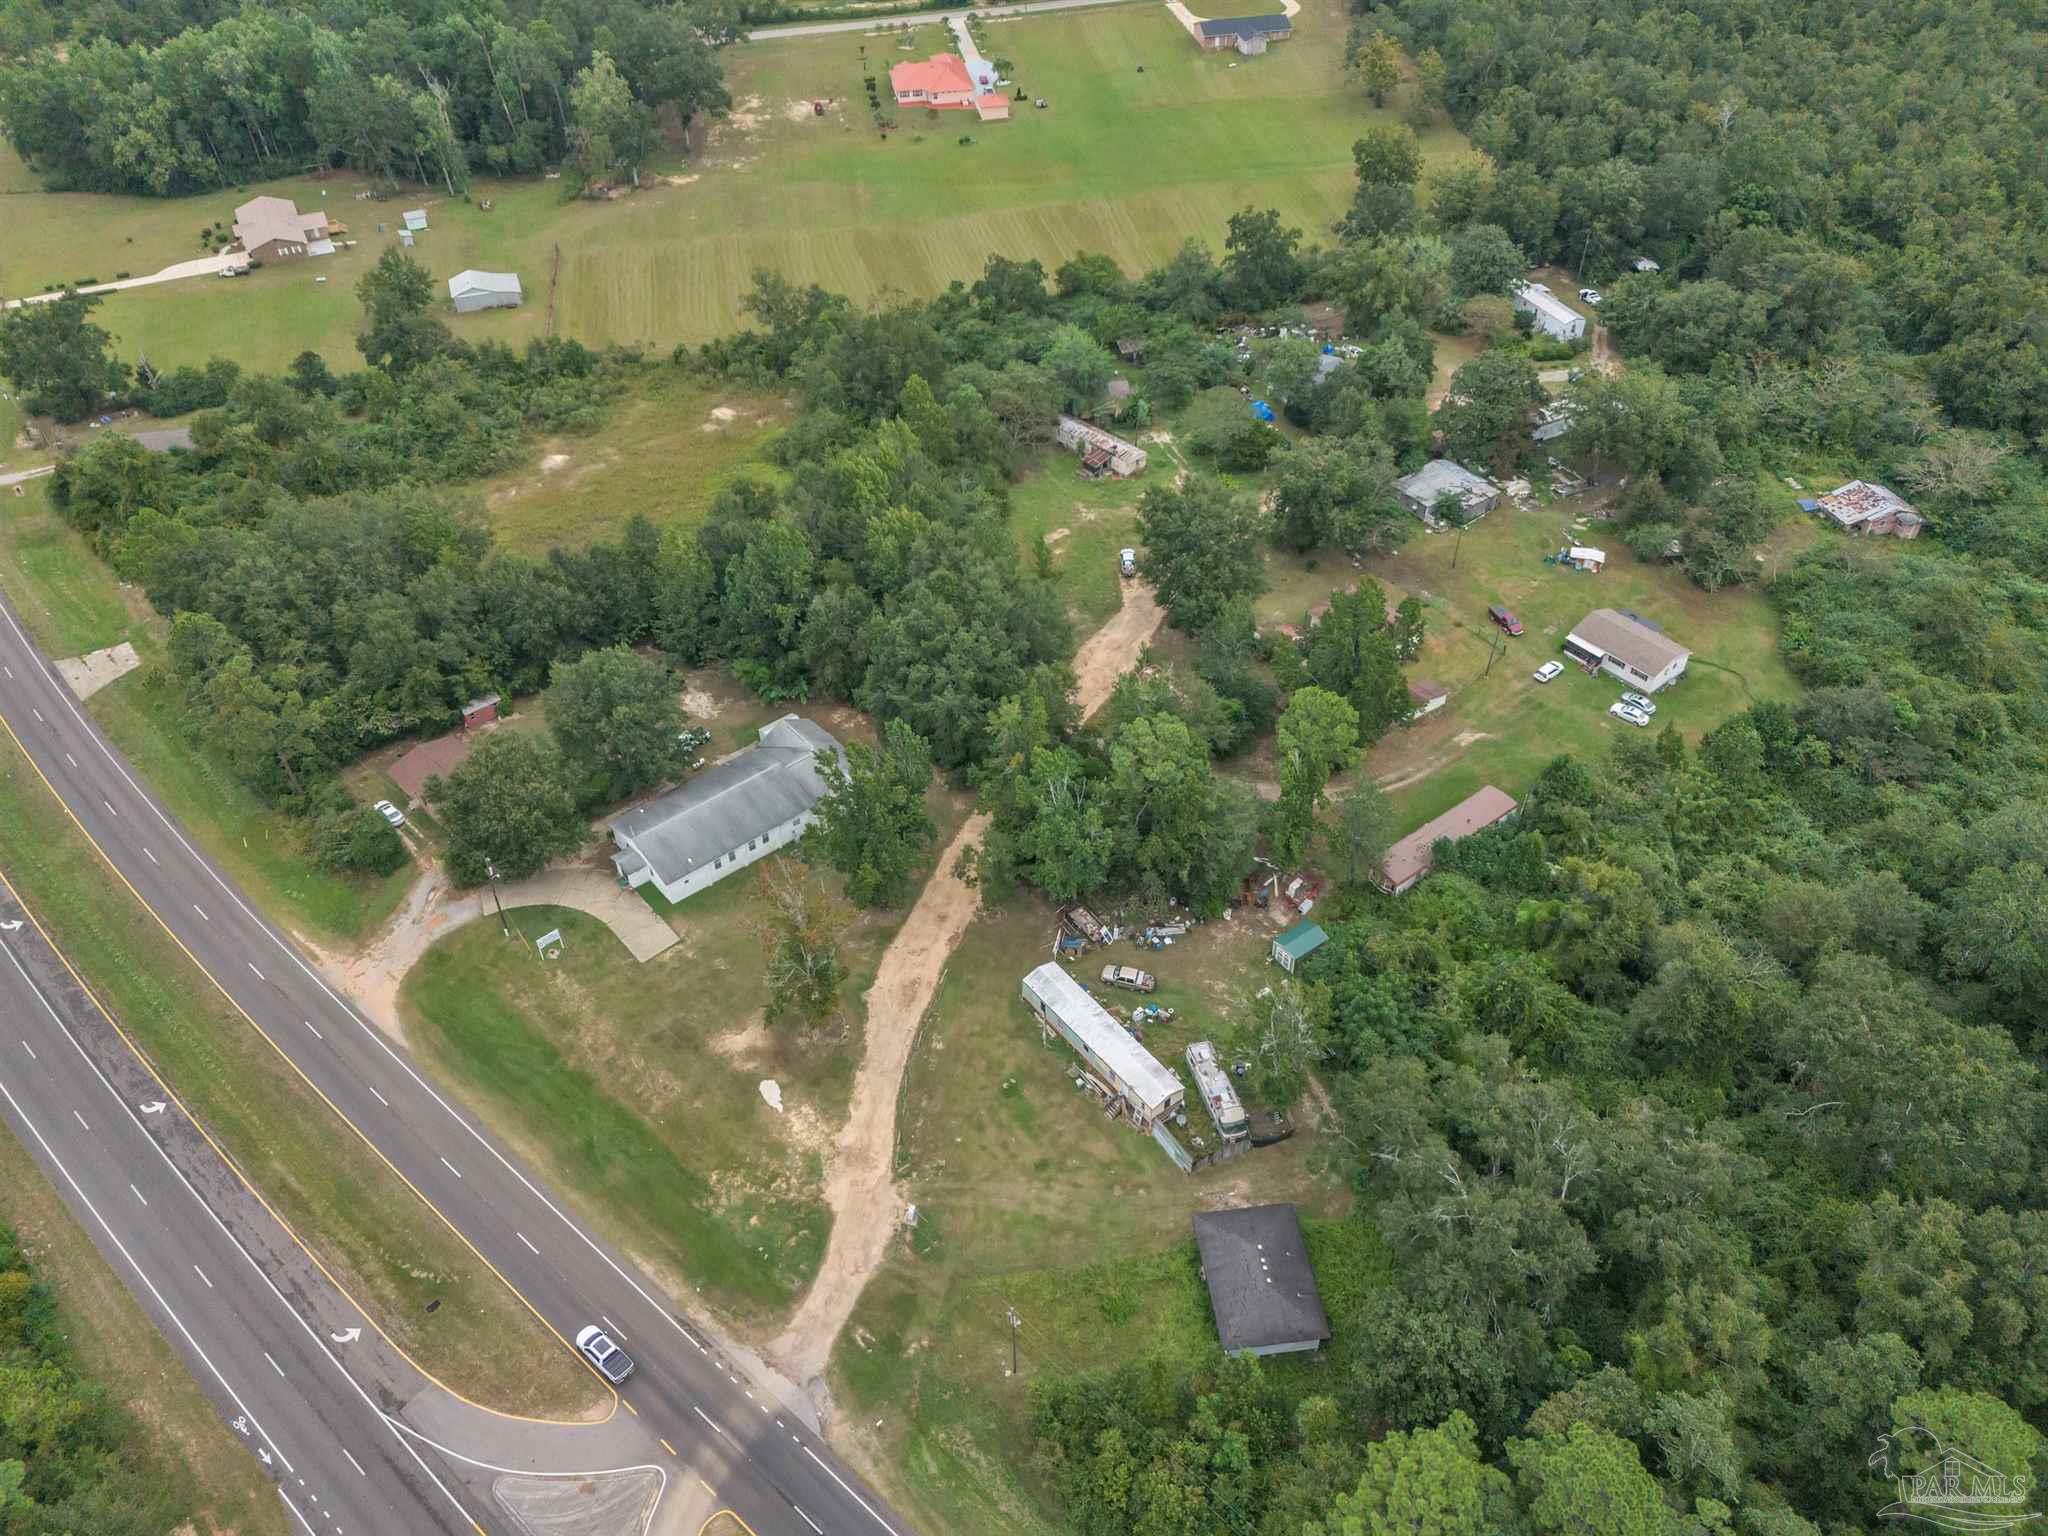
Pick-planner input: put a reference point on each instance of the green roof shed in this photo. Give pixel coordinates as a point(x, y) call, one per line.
point(1297, 944)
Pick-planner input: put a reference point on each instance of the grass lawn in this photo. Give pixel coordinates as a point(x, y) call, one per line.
point(1125, 163)
point(374, 1234)
point(668, 448)
point(639, 1085)
point(1501, 728)
point(181, 1438)
point(1086, 523)
point(1028, 1197)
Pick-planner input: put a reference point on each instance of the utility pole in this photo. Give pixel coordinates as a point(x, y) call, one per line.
point(491, 869)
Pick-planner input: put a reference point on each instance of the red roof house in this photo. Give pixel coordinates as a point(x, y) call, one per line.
point(940, 81)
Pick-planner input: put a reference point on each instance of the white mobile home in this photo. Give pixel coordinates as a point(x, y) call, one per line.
point(1148, 1091)
point(1626, 646)
point(1550, 314)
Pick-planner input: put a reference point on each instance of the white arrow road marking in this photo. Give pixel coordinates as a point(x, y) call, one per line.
point(11, 927)
point(153, 1107)
point(346, 1336)
point(264, 1456)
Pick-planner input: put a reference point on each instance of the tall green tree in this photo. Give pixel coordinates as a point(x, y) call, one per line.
point(618, 719)
point(1318, 736)
point(508, 806)
point(399, 333)
point(1202, 548)
point(872, 825)
point(1425, 1482)
point(57, 359)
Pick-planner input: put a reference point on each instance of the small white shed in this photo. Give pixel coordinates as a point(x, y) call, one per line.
point(473, 290)
point(414, 219)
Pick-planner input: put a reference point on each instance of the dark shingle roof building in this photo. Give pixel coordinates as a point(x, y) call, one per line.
point(1261, 1287)
point(729, 815)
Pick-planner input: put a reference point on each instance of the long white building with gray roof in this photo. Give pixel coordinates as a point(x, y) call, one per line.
point(722, 820)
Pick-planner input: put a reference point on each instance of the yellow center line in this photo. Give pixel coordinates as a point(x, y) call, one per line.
point(630, 1408)
point(666, 1446)
point(708, 1489)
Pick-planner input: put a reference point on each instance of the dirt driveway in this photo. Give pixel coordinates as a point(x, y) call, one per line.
point(860, 1184)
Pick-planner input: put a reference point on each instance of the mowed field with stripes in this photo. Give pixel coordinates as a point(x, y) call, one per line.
point(1123, 162)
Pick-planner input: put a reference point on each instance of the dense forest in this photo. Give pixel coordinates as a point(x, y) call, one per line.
point(189, 95)
point(68, 1455)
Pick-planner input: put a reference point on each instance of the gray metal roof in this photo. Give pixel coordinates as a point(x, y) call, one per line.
point(1261, 1286)
point(1246, 26)
point(473, 281)
point(1440, 475)
point(730, 803)
point(1629, 639)
point(1135, 1068)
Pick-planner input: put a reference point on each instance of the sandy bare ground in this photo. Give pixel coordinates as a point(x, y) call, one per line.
point(1106, 654)
point(860, 1184)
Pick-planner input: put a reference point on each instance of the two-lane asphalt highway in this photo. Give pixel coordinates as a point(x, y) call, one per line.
point(94, 1125)
point(771, 1468)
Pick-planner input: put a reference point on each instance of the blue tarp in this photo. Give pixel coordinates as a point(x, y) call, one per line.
point(1806, 505)
point(1262, 410)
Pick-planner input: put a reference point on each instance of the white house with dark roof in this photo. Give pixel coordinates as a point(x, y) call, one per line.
point(1628, 646)
point(1548, 313)
point(753, 804)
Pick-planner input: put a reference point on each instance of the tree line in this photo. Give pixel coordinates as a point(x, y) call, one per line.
point(177, 99)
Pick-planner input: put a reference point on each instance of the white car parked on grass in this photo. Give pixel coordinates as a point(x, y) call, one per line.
point(1641, 701)
point(1590, 296)
point(1628, 713)
point(1547, 671)
point(390, 813)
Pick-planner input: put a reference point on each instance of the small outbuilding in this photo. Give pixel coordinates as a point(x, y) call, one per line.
point(1425, 697)
point(481, 710)
point(1262, 1288)
point(1861, 507)
point(1584, 557)
point(414, 219)
point(1421, 491)
point(1548, 313)
point(472, 290)
point(1414, 855)
point(1297, 944)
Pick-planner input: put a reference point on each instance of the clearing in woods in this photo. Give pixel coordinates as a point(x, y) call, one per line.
point(860, 1184)
point(1120, 162)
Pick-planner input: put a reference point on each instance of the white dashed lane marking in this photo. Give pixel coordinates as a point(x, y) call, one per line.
point(202, 1275)
point(253, 971)
point(70, 759)
point(375, 1094)
point(273, 1363)
point(80, 1119)
point(353, 1462)
point(138, 1194)
point(32, 1056)
point(451, 1167)
point(318, 1036)
point(151, 857)
point(529, 1244)
point(202, 912)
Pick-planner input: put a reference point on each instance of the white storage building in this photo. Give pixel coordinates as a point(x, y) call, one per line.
point(473, 290)
point(1148, 1090)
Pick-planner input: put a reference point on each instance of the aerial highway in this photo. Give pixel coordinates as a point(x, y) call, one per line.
point(706, 1420)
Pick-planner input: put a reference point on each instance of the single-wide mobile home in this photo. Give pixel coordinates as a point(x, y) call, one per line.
point(1548, 313)
point(1148, 1091)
